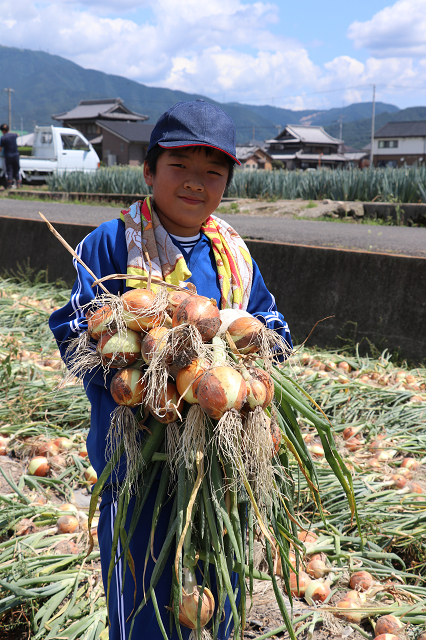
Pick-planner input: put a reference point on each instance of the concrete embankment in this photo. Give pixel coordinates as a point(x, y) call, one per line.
point(373, 297)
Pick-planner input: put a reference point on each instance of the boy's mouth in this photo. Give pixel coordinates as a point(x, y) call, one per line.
point(190, 200)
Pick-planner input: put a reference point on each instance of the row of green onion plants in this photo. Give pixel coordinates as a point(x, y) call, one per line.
point(406, 184)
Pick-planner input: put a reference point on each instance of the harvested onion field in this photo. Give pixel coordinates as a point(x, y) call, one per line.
point(49, 588)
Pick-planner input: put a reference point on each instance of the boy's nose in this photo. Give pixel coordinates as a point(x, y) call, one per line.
point(194, 184)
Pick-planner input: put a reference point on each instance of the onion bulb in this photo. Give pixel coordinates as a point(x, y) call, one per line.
point(316, 450)
point(361, 580)
point(67, 524)
point(68, 508)
point(188, 608)
point(137, 306)
point(63, 444)
point(174, 300)
point(276, 436)
point(90, 475)
point(39, 466)
point(47, 449)
point(221, 389)
point(66, 548)
point(388, 636)
point(119, 349)
point(399, 481)
point(166, 401)
point(317, 591)
point(355, 596)
point(387, 624)
point(187, 379)
point(256, 394)
point(349, 432)
point(264, 377)
point(413, 487)
point(100, 322)
point(82, 450)
point(353, 444)
point(153, 343)
point(307, 537)
point(304, 582)
point(316, 568)
point(227, 316)
point(25, 527)
point(245, 333)
point(201, 312)
point(127, 387)
point(409, 463)
point(354, 617)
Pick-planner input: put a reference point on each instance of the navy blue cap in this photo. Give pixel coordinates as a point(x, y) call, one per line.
point(189, 124)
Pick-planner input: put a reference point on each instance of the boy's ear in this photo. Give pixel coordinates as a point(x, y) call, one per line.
point(148, 176)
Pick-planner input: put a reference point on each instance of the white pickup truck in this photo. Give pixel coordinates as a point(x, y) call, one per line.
point(55, 149)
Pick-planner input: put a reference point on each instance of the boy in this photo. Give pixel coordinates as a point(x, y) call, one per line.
point(189, 163)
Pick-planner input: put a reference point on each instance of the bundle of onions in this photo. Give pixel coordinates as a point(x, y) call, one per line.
point(100, 322)
point(127, 387)
point(304, 582)
point(361, 580)
point(201, 312)
point(245, 333)
point(187, 379)
point(67, 524)
point(387, 624)
point(317, 591)
point(138, 310)
point(168, 408)
point(153, 342)
point(119, 350)
point(188, 608)
point(174, 300)
point(39, 466)
point(219, 390)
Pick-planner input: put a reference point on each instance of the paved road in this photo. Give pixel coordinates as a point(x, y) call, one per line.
point(373, 238)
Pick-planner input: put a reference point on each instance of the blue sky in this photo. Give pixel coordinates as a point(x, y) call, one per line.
point(297, 55)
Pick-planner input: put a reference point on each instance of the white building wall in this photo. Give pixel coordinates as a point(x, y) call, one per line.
point(406, 146)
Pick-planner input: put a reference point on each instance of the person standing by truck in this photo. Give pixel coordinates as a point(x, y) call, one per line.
point(11, 156)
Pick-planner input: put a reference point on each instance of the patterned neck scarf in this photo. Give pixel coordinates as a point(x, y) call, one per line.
point(233, 260)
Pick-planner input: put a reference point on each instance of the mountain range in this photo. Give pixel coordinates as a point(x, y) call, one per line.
point(45, 84)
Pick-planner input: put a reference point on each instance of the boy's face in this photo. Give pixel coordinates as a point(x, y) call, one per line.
point(187, 187)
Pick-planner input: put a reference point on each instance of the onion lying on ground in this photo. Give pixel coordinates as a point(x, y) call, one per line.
point(409, 463)
point(90, 475)
point(361, 580)
point(304, 582)
point(63, 444)
point(127, 387)
point(39, 466)
point(119, 350)
point(219, 390)
point(201, 312)
point(66, 547)
point(47, 449)
point(67, 524)
point(317, 591)
point(387, 624)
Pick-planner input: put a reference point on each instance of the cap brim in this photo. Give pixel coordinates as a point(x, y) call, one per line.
point(179, 145)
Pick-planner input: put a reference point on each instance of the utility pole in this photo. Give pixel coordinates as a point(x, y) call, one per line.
point(9, 90)
point(372, 125)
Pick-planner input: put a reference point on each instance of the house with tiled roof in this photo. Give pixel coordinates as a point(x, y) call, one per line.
point(85, 116)
point(124, 142)
point(400, 143)
point(306, 147)
point(253, 157)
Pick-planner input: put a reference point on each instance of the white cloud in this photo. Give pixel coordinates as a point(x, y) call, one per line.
point(226, 50)
point(398, 30)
